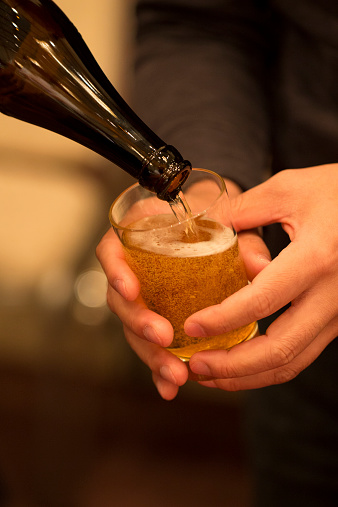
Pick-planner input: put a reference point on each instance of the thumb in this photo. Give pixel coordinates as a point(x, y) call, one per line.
point(261, 205)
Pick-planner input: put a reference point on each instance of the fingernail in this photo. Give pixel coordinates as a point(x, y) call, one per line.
point(120, 287)
point(264, 258)
point(200, 368)
point(194, 329)
point(167, 374)
point(151, 335)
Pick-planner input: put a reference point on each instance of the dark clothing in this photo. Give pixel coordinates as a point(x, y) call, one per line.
point(248, 88)
point(293, 430)
point(238, 84)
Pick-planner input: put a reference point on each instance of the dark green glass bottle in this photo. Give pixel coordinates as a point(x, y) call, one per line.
point(48, 77)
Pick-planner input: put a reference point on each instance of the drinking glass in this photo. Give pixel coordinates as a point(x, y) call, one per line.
point(183, 263)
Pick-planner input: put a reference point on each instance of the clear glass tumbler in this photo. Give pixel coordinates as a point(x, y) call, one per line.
point(187, 265)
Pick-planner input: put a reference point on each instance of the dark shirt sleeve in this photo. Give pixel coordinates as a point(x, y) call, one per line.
point(200, 82)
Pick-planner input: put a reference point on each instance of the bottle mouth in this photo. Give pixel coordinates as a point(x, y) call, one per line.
point(165, 172)
point(174, 185)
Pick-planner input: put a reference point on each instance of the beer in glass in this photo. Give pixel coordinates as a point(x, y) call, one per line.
point(187, 263)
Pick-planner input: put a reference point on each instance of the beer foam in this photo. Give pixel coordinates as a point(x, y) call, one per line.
point(167, 241)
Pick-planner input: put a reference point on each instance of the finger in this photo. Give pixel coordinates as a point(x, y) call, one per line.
point(167, 390)
point(254, 252)
point(160, 361)
point(274, 287)
point(286, 338)
point(283, 198)
point(119, 275)
point(282, 374)
point(264, 204)
point(140, 320)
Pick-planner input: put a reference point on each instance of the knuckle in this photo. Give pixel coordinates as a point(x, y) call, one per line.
point(263, 303)
point(307, 331)
point(281, 354)
point(283, 375)
point(227, 370)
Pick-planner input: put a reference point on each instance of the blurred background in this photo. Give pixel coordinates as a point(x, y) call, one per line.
point(81, 424)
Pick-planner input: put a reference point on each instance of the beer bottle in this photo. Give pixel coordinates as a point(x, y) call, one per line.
point(48, 77)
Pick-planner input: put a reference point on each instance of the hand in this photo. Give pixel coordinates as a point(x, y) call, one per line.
point(146, 332)
point(305, 273)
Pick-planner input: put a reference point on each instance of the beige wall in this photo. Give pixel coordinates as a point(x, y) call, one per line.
point(49, 207)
